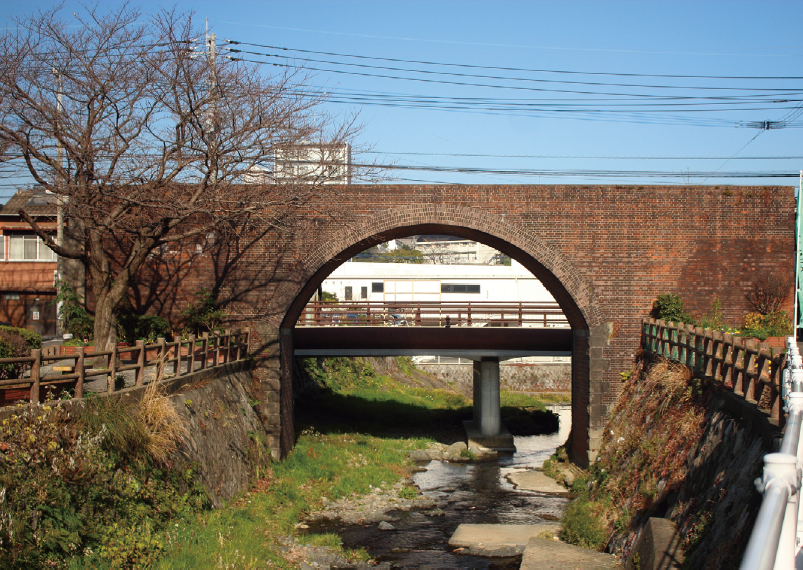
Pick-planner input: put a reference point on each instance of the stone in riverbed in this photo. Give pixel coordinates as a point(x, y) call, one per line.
point(386, 526)
point(420, 455)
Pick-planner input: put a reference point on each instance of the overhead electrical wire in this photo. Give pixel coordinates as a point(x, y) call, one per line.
point(529, 70)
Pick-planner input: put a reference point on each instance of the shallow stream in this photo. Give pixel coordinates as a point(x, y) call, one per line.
point(476, 493)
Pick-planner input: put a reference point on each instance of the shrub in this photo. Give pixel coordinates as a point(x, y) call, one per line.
point(769, 292)
point(83, 484)
point(76, 320)
point(669, 307)
point(582, 524)
point(12, 345)
point(145, 327)
point(34, 339)
point(763, 326)
point(204, 315)
point(81, 327)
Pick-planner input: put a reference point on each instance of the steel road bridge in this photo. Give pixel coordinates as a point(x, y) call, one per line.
point(467, 330)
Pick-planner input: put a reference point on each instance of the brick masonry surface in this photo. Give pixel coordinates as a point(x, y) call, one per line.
point(605, 253)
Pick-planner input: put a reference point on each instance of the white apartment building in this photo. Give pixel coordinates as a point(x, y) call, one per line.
point(405, 282)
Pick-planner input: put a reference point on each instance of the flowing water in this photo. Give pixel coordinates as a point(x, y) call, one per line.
point(465, 493)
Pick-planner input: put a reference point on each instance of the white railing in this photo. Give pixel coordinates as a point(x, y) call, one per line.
point(778, 530)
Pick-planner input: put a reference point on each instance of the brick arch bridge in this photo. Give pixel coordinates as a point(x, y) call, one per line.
point(604, 252)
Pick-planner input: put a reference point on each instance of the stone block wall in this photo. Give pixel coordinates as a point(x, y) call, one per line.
point(545, 377)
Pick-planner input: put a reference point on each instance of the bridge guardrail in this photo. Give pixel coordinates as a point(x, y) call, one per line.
point(748, 368)
point(776, 538)
point(184, 356)
point(431, 314)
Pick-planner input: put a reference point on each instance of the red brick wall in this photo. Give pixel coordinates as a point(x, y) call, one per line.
point(605, 252)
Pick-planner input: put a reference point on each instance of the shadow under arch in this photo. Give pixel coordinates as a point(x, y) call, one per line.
point(567, 285)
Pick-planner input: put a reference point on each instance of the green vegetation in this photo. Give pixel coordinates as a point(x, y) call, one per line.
point(356, 397)
point(669, 307)
point(132, 327)
point(33, 339)
point(643, 458)
point(763, 326)
point(12, 345)
point(203, 315)
point(328, 297)
point(248, 533)
point(101, 486)
point(402, 254)
point(91, 487)
point(76, 320)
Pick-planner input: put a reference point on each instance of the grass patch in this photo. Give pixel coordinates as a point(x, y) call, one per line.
point(248, 533)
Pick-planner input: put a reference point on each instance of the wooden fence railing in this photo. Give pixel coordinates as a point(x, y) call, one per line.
point(165, 359)
point(750, 369)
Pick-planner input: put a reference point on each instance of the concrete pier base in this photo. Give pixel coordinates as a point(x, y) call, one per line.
point(502, 441)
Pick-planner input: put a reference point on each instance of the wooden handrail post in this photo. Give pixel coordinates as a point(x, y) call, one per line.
point(36, 368)
point(238, 344)
point(191, 354)
point(112, 370)
point(217, 348)
point(204, 349)
point(140, 380)
point(248, 341)
point(227, 353)
point(160, 359)
point(177, 367)
point(79, 369)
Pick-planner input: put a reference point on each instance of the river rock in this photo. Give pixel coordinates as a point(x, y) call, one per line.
point(386, 526)
point(420, 455)
point(456, 448)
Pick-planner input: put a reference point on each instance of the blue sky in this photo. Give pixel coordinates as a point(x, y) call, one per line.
point(744, 39)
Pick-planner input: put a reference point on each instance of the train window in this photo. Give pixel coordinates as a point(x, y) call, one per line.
point(377, 287)
point(459, 288)
point(347, 294)
point(363, 292)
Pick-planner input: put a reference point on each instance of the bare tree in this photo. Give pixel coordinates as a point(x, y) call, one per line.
point(770, 291)
point(147, 141)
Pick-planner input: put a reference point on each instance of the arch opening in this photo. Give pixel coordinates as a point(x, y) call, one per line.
point(590, 329)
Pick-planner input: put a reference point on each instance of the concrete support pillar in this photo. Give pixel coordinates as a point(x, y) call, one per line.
point(476, 387)
point(486, 397)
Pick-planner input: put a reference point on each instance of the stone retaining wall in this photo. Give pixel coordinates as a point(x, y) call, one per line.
point(543, 377)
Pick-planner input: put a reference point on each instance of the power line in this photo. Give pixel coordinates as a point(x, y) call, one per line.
point(579, 157)
point(522, 69)
point(523, 79)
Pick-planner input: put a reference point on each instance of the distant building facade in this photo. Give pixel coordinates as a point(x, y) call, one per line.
point(27, 266)
point(313, 163)
point(405, 282)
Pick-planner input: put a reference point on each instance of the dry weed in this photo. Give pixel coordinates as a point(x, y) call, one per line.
point(164, 427)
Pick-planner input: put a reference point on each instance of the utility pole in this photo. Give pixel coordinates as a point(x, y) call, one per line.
point(211, 46)
point(59, 199)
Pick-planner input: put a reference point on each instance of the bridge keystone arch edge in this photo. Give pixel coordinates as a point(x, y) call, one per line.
point(568, 286)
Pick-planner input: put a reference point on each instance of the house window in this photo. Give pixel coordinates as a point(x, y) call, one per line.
point(363, 292)
point(377, 287)
point(347, 294)
point(458, 288)
point(26, 247)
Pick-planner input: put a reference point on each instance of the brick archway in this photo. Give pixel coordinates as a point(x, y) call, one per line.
point(559, 276)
